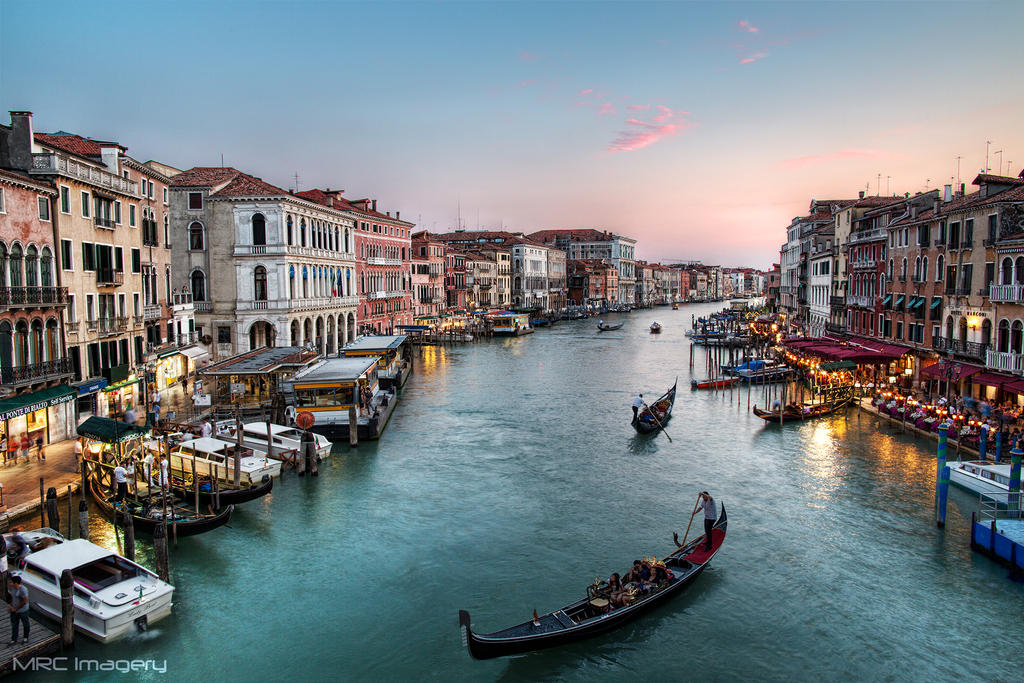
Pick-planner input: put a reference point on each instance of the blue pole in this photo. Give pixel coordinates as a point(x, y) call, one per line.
point(983, 442)
point(999, 443)
point(943, 436)
point(940, 518)
point(1014, 497)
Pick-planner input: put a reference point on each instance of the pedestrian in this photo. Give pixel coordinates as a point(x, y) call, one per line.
point(40, 455)
point(707, 503)
point(147, 467)
point(207, 429)
point(129, 416)
point(638, 403)
point(18, 607)
point(164, 481)
point(121, 479)
point(3, 448)
point(154, 398)
point(25, 445)
point(78, 455)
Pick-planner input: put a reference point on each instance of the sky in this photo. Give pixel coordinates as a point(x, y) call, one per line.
point(699, 129)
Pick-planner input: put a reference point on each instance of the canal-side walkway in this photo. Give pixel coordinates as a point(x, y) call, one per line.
point(20, 482)
point(954, 443)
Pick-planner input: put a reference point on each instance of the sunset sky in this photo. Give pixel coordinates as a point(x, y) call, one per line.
point(699, 129)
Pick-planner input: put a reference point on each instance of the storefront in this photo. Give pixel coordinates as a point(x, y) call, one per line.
point(119, 397)
point(169, 368)
point(88, 397)
point(48, 414)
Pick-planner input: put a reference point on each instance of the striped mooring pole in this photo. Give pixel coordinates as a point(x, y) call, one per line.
point(941, 462)
point(983, 442)
point(999, 443)
point(942, 493)
point(1014, 498)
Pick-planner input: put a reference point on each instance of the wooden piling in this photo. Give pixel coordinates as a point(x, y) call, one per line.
point(160, 552)
point(67, 609)
point(42, 504)
point(241, 446)
point(70, 523)
point(195, 480)
point(353, 419)
point(314, 465)
point(129, 534)
point(83, 518)
point(3, 569)
point(52, 512)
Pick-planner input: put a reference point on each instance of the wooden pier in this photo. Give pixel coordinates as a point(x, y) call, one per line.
point(41, 641)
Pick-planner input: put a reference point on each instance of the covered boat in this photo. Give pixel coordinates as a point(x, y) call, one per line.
point(653, 417)
point(595, 613)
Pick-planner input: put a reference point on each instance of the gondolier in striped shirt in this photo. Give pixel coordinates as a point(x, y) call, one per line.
point(638, 403)
point(707, 503)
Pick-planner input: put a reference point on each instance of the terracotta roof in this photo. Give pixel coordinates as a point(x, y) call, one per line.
point(204, 176)
point(76, 144)
point(243, 185)
point(476, 236)
point(582, 235)
point(996, 179)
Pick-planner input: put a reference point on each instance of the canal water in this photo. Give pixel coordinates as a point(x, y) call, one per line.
point(510, 477)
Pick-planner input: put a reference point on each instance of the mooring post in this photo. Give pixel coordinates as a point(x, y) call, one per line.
point(67, 609)
point(943, 436)
point(128, 525)
point(71, 533)
point(160, 551)
point(942, 493)
point(42, 504)
point(52, 512)
point(83, 518)
point(353, 418)
point(1013, 501)
point(3, 569)
point(983, 442)
point(999, 443)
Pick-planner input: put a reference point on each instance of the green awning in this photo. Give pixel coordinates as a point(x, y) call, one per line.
point(16, 406)
point(936, 302)
point(122, 383)
point(167, 352)
point(110, 431)
point(887, 299)
point(832, 366)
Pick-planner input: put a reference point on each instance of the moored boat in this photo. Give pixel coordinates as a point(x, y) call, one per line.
point(284, 438)
point(981, 476)
point(595, 613)
point(653, 417)
point(147, 515)
point(797, 413)
point(113, 596)
point(722, 383)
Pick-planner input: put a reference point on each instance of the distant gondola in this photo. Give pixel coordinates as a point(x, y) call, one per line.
point(604, 327)
point(185, 523)
point(228, 496)
point(593, 614)
point(799, 413)
point(655, 328)
point(647, 422)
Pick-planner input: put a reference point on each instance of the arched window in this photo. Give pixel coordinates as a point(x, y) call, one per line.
point(167, 230)
point(890, 269)
point(924, 269)
point(259, 229)
point(1006, 270)
point(302, 232)
point(260, 283)
point(31, 267)
point(963, 330)
point(1016, 336)
point(940, 265)
point(288, 230)
point(198, 280)
point(3, 264)
point(35, 349)
point(949, 328)
point(337, 235)
point(46, 268)
point(14, 266)
point(196, 237)
point(6, 348)
point(1003, 336)
point(21, 343)
point(917, 268)
point(986, 332)
point(1018, 271)
point(903, 269)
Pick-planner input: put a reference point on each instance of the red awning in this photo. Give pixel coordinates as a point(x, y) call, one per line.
point(1015, 387)
point(992, 379)
point(958, 372)
point(883, 349)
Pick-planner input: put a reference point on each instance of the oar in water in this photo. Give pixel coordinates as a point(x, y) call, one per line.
point(651, 411)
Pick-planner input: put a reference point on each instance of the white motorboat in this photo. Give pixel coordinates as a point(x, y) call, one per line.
point(112, 595)
point(980, 476)
point(284, 438)
point(217, 456)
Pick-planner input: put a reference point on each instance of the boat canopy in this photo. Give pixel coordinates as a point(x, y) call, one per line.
point(110, 431)
point(68, 555)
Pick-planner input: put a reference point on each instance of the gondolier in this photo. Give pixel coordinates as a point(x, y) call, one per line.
point(638, 403)
point(707, 503)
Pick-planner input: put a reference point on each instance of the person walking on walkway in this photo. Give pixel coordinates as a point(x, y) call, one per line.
point(129, 416)
point(18, 607)
point(707, 503)
point(638, 403)
point(25, 445)
point(78, 455)
point(121, 479)
point(40, 455)
point(3, 449)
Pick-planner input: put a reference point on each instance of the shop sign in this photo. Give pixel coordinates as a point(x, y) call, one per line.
point(202, 400)
point(237, 388)
point(90, 387)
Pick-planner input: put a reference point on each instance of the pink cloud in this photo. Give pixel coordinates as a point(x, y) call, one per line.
point(747, 27)
point(839, 155)
point(753, 58)
point(526, 83)
point(639, 107)
point(606, 108)
point(640, 134)
point(528, 57)
point(586, 92)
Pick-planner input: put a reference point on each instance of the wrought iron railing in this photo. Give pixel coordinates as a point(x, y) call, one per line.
point(33, 296)
point(23, 374)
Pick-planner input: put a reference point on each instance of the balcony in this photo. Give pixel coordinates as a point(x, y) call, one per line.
point(833, 328)
point(293, 250)
point(182, 299)
point(864, 264)
point(964, 348)
point(122, 322)
point(860, 300)
point(152, 311)
point(837, 301)
point(374, 296)
point(71, 327)
point(187, 339)
point(108, 277)
point(967, 244)
point(29, 297)
point(381, 261)
point(138, 320)
point(1005, 361)
point(54, 163)
point(1006, 294)
point(36, 372)
point(925, 243)
point(867, 236)
point(102, 222)
point(203, 306)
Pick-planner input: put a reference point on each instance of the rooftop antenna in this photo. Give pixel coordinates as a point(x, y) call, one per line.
point(1000, 153)
point(296, 176)
point(222, 159)
point(988, 143)
point(958, 171)
point(878, 185)
point(887, 179)
point(458, 223)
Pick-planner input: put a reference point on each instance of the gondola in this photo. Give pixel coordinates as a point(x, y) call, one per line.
point(646, 423)
point(798, 414)
point(723, 383)
point(185, 523)
point(604, 327)
point(655, 328)
point(228, 496)
point(590, 616)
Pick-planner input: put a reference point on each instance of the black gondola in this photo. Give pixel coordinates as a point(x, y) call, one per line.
point(590, 616)
point(604, 327)
point(228, 496)
point(185, 524)
point(648, 421)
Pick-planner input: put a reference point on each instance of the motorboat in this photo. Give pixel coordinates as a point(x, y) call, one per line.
point(113, 596)
point(284, 438)
point(215, 456)
point(981, 476)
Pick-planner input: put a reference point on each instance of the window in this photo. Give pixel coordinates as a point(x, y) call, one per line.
point(2, 210)
point(167, 231)
point(117, 211)
point(899, 329)
point(223, 335)
point(195, 200)
point(86, 203)
point(72, 315)
point(65, 199)
point(136, 260)
point(119, 259)
point(131, 215)
point(260, 284)
point(165, 196)
point(88, 256)
point(993, 222)
point(90, 310)
point(44, 208)
point(195, 237)
point(198, 281)
point(259, 229)
point(969, 232)
point(939, 267)
point(66, 257)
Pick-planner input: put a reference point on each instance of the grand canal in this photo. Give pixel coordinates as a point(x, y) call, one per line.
point(509, 477)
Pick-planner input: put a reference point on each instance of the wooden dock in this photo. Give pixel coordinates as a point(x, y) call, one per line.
point(41, 640)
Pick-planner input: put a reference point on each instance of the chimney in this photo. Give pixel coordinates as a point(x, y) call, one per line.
point(913, 210)
point(861, 194)
point(17, 153)
point(374, 204)
point(109, 155)
point(947, 193)
point(935, 206)
point(398, 215)
point(962, 189)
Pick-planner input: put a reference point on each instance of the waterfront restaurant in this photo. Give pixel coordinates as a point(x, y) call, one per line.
point(48, 413)
point(253, 378)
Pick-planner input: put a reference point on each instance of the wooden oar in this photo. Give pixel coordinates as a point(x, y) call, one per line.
point(651, 411)
point(675, 536)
